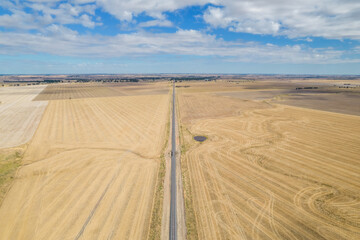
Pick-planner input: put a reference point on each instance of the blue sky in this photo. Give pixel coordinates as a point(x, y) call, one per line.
point(171, 36)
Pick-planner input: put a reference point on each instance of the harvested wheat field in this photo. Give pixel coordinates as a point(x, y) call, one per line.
point(19, 115)
point(268, 171)
point(91, 169)
point(96, 90)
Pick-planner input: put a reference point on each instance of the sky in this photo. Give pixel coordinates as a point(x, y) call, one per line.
point(180, 36)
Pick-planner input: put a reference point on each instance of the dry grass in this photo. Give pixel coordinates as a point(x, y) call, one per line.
point(90, 171)
point(10, 160)
point(275, 172)
point(157, 211)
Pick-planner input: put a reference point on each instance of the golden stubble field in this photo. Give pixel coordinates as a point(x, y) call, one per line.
point(267, 171)
point(20, 115)
point(90, 171)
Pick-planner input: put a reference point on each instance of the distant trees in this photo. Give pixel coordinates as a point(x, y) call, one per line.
point(299, 88)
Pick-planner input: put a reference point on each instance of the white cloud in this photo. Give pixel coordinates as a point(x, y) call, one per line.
point(86, 21)
point(335, 19)
point(216, 17)
point(18, 19)
point(60, 32)
point(7, 4)
point(44, 14)
point(59, 40)
point(256, 27)
point(158, 23)
point(357, 49)
point(295, 18)
point(68, 14)
point(125, 10)
point(301, 19)
point(82, 1)
point(44, 1)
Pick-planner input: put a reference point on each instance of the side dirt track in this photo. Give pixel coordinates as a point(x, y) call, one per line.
point(90, 171)
point(268, 171)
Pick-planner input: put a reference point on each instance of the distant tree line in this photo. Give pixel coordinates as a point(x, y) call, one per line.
point(194, 78)
point(52, 80)
point(121, 80)
point(299, 88)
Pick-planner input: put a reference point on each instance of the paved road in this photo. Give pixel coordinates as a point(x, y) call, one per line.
point(173, 220)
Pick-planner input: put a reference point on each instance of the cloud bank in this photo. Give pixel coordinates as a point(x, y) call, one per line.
point(46, 26)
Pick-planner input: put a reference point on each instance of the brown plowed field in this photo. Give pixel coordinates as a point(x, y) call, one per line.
point(269, 171)
point(90, 171)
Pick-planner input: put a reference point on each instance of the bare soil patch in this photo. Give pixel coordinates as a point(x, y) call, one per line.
point(348, 103)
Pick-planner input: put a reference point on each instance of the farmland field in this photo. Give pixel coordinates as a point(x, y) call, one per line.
point(279, 160)
point(20, 115)
point(268, 170)
point(95, 90)
point(91, 169)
